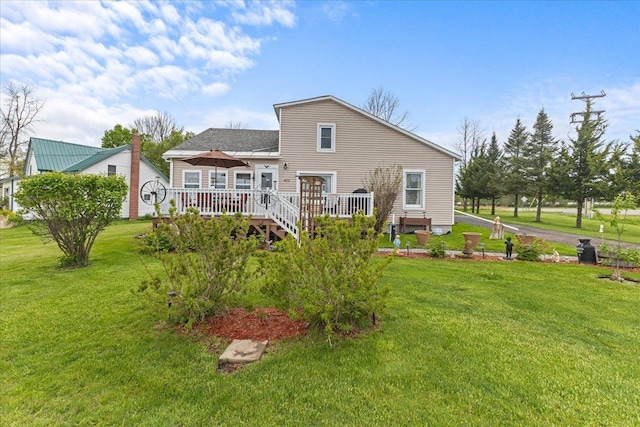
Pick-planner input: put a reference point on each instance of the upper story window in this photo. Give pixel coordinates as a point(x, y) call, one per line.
point(111, 170)
point(191, 179)
point(413, 184)
point(327, 137)
point(218, 180)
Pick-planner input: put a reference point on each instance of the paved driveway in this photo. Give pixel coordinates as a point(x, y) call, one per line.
point(547, 235)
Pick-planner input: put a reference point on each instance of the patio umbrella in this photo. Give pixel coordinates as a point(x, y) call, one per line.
point(215, 158)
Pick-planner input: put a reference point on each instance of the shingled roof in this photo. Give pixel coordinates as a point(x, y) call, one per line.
point(234, 140)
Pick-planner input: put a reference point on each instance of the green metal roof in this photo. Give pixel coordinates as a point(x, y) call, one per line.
point(58, 155)
point(95, 158)
point(63, 156)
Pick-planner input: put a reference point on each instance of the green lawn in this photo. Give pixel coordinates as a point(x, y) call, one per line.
point(559, 221)
point(463, 343)
point(455, 241)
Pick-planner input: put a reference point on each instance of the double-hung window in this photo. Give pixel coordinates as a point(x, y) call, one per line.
point(191, 179)
point(413, 188)
point(329, 185)
point(327, 137)
point(243, 181)
point(218, 179)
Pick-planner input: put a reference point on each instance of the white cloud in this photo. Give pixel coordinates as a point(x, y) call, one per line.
point(336, 11)
point(142, 56)
point(215, 89)
point(218, 117)
point(93, 61)
point(265, 13)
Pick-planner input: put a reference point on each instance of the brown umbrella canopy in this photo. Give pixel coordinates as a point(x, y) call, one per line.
point(215, 158)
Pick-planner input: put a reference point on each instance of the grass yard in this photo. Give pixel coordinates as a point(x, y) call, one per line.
point(558, 221)
point(455, 241)
point(463, 343)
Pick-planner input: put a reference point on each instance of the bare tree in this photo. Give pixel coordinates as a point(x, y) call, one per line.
point(18, 121)
point(470, 136)
point(232, 124)
point(158, 127)
point(384, 104)
point(385, 184)
point(470, 139)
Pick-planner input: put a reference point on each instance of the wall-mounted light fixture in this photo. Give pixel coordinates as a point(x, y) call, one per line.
point(286, 166)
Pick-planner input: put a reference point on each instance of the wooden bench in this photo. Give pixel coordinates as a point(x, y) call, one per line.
point(424, 222)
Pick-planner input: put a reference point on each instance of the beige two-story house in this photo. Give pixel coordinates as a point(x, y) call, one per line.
point(330, 138)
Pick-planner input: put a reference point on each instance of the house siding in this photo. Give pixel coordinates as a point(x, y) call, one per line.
point(122, 161)
point(179, 167)
point(362, 144)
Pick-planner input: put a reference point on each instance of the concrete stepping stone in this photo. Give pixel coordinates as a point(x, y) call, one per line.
point(242, 352)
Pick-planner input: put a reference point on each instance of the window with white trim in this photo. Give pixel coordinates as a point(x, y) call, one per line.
point(218, 180)
point(327, 137)
point(243, 181)
point(329, 180)
point(191, 179)
point(111, 170)
point(413, 189)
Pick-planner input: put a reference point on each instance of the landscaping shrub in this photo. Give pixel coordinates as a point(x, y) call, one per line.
point(71, 210)
point(331, 278)
point(207, 266)
point(530, 251)
point(437, 248)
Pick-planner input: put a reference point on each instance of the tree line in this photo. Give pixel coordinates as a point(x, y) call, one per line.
point(533, 165)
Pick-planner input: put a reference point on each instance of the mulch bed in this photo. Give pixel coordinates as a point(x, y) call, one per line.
point(271, 324)
point(260, 324)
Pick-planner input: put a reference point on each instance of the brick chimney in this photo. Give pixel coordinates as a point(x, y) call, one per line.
point(134, 180)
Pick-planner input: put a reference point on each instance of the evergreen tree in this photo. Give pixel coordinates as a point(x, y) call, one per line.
point(538, 153)
point(582, 168)
point(493, 171)
point(514, 180)
point(633, 166)
point(479, 178)
point(472, 179)
point(620, 177)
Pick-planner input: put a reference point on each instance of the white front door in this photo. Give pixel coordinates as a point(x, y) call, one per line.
point(266, 179)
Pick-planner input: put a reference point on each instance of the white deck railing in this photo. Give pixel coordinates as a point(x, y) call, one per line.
point(281, 206)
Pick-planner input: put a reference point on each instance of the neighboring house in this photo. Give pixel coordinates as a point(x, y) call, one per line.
point(45, 155)
point(325, 137)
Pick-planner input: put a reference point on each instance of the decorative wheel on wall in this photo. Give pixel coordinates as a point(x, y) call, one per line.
point(153, 192)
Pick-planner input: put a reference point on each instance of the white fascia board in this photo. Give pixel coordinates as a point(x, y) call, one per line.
point(177, 154)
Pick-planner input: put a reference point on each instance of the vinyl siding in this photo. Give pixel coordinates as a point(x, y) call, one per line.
point(362, 144)
point(122, 161)
point(180, 166)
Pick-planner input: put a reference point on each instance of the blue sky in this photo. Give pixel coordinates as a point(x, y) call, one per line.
point(98, 64)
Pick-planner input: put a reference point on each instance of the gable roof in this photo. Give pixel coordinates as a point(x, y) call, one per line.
point(95, 158)
point(53, 155)
point(66, 157)
point(278, 107)
point(233, 140)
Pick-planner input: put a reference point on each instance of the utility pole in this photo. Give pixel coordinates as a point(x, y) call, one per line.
point(579, 117)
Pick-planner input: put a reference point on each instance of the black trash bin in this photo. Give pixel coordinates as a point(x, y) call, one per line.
point(586, 252)
point(357, 204)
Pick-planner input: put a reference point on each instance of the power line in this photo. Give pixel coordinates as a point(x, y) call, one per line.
point(587, 99)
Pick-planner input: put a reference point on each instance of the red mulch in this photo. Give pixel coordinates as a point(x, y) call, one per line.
point(273, 324)
point(259, 325)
